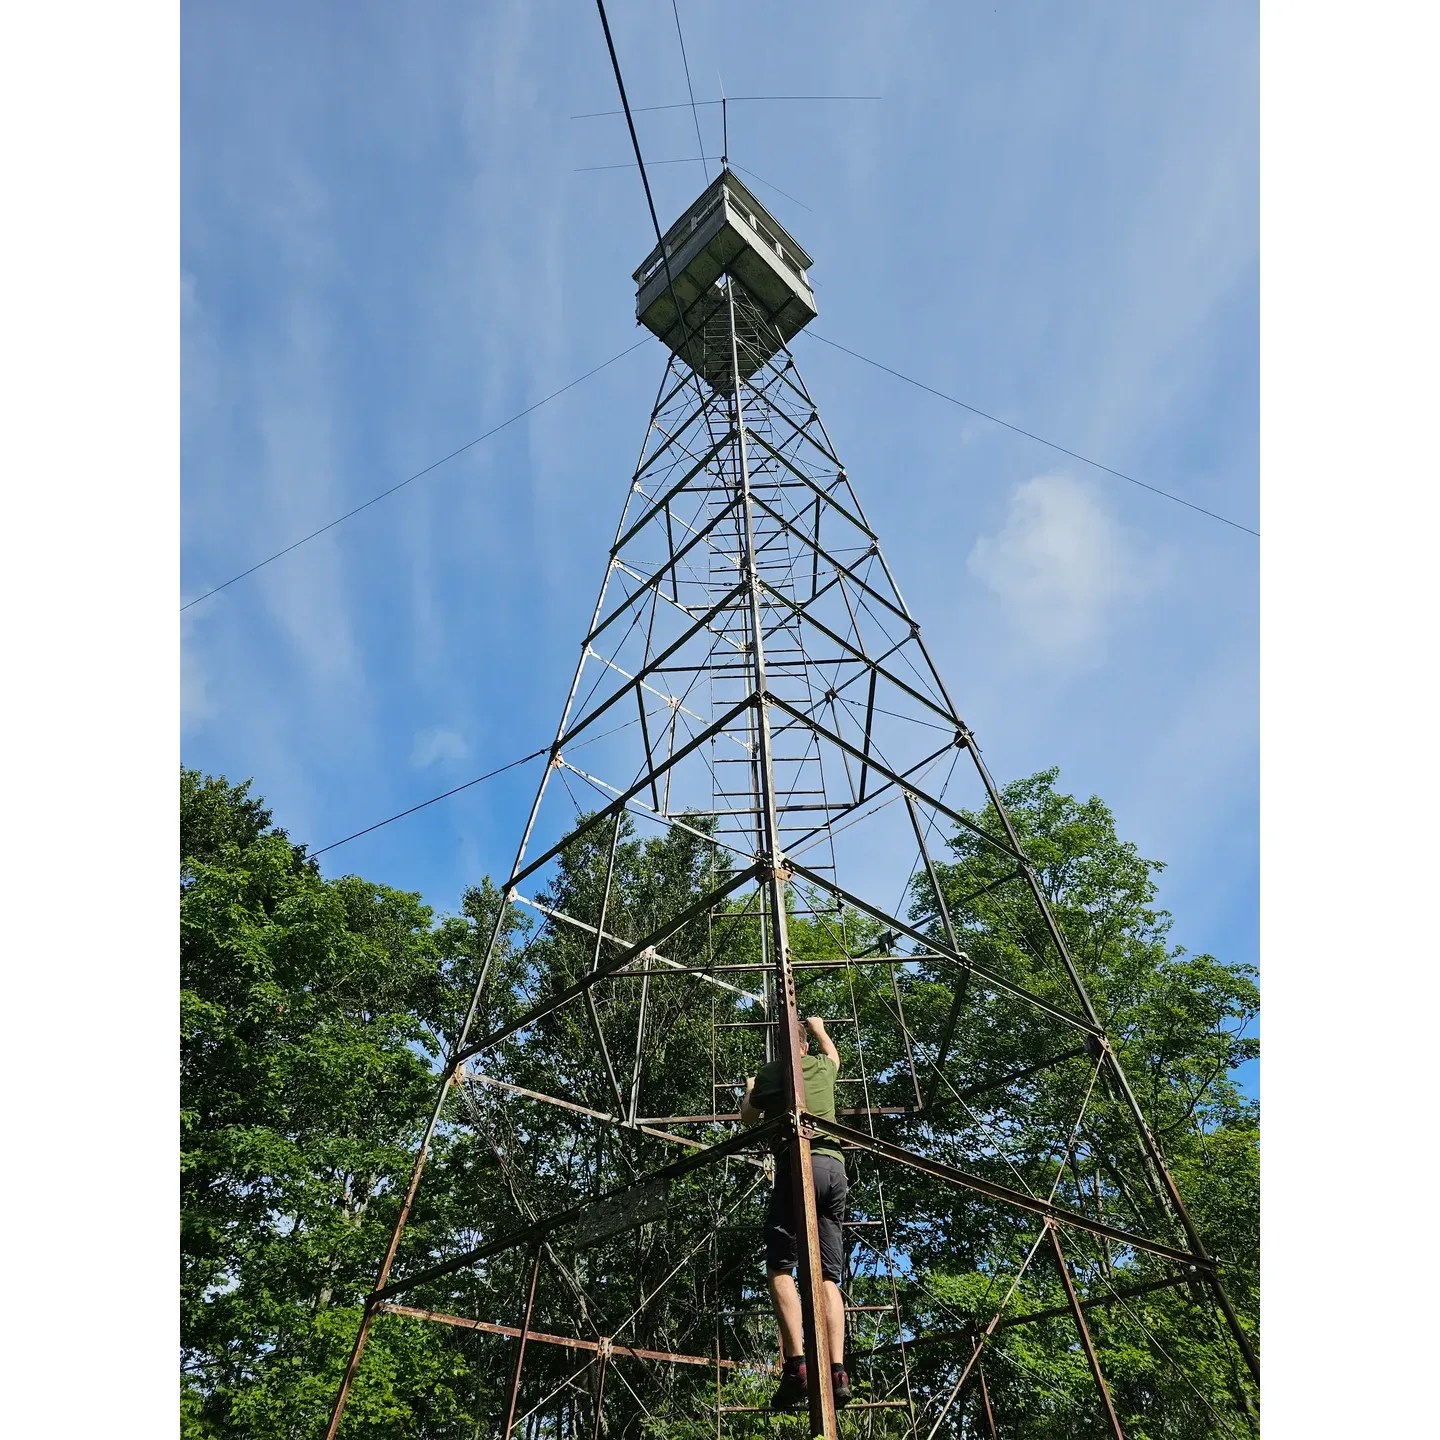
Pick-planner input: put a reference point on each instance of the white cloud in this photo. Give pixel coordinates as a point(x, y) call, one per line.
point(438, 744)
point(1061, 567)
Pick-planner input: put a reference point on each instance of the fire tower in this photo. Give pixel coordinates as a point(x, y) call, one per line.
point(755, 724)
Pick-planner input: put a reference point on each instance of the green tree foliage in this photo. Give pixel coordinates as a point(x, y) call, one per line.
point(311, 1013)
point(314, 1014)
point(1179, 1023)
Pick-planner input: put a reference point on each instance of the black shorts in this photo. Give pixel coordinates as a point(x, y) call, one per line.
point(781, 1248)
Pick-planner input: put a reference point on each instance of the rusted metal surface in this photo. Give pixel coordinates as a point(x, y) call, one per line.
point(641, 1204)
point(352, 1365)
point(600, 1394)
point(996, 1191)
point(734, 1115)
point(523, 1334)
point(1092, 1359)
point(570, 1342)
point(643, 1125)
point(985, 1405)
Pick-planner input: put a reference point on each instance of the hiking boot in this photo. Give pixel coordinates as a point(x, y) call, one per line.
point(840, 1385)
point(792, 1390)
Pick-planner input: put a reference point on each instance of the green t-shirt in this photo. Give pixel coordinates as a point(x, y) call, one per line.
point(819, 1074)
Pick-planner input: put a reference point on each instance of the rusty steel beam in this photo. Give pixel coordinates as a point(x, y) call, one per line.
point(523, 1332)
point(1059, 1214)
point(1092, 1359)
point(642, 1125)
point(985, 1403)
point(367, 1316)
point(570, 1342)
point(600, 1395)
point(890, 1111)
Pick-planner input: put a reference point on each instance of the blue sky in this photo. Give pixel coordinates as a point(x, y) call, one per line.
point(387, 249)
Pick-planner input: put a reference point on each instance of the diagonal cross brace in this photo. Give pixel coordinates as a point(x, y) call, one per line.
point(981, 972)
point(543, 1227)
point(1005, 1194)
point(607, 968)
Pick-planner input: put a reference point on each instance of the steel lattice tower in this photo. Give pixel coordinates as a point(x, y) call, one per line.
point(753, 686)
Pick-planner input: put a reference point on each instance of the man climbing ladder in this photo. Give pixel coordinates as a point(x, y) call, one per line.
point(765, 1094)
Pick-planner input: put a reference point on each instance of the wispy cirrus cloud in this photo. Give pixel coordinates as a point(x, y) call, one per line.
point(1062, 567)
point(387, 249)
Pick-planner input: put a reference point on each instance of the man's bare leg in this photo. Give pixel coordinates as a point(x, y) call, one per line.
point(834, 1321)
point(785, 1301)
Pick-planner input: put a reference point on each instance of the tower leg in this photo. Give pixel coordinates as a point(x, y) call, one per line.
point(600, 1395)
point(985, 1406)
point(383, 1274)
point(514, 1393)
point(1089, 1345)
point(1147, 1138)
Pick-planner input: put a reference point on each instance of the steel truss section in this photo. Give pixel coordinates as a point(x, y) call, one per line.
point(753, 691)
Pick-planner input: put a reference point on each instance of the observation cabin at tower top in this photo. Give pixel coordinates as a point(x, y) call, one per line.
point(725, 232)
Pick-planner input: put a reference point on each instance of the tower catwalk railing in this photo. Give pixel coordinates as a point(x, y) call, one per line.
point(738, 826)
